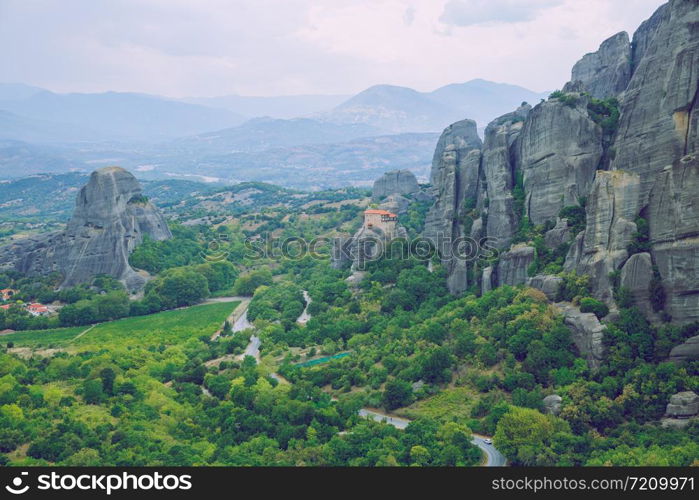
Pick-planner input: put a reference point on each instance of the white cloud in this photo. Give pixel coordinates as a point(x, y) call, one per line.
point(274, 47)
point(471, 12)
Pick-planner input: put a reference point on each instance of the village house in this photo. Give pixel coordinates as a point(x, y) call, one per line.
point(381, 220)
point(36, 309)
point(7, 293)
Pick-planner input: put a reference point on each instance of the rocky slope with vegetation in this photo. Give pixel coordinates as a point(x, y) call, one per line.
point(110, 219)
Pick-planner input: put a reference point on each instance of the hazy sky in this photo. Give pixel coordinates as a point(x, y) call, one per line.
point(279, 47)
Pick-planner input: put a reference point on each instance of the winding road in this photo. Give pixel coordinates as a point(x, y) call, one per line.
point(305, 317)
point(493, 458)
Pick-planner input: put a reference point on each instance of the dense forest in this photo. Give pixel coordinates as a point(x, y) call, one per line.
point(150, 385)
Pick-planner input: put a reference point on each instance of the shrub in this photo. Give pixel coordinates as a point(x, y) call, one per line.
point(605, 113)
point(575, 215)
point(641, 238)
point(599, 308)
point(573, 286)
point(570, 100)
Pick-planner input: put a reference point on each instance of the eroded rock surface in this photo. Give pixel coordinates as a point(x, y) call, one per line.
point(111, 218)
point(606, 72)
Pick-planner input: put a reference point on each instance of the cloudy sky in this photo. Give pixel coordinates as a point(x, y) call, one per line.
point(280, 47)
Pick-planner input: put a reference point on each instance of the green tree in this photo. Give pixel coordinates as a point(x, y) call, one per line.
point(397, 393)
point(92, 390)
point(525, 436)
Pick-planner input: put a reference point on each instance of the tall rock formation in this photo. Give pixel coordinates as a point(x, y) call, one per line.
point(658, 123)
point(639, 163)
point(110, 219)
point(396, 182)
point(612, 207)
point(455, 182)
point(673, 213)
point(607, 72)
point(560, 149)
point(634, 168)
point(498, 166)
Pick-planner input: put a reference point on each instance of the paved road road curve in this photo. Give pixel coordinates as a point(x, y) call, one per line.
point(493, 457)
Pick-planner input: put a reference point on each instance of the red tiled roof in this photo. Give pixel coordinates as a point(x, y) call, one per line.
point(379, 212)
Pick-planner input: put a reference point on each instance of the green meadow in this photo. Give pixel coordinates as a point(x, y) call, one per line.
point(164, 328)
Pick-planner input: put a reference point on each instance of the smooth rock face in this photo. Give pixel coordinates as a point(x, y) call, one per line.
point(612, 206)
point(559, 235)
point(587, 333)
point(673, 213)
point(607, 72)
point(395, 203)
point(513, 265)
point(498, 166)
point(552, 404)
point(687, 351)
point(487, 280)
point(636, 276)
point(683, 405)
point(455, 179)
point(547, 284)
point(560, 149)
point(400, 182)
point(110, 220)
point(659, 114)
point(645, 33)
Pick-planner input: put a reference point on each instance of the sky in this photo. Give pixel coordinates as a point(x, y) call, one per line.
point(181, 48)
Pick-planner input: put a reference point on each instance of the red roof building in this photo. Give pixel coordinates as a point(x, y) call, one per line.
point(37, 309)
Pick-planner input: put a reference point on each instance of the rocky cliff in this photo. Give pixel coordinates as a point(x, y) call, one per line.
point(110, 219)
point(395, 182)
point(560, 149)
point(607, 72)
point(605, 171)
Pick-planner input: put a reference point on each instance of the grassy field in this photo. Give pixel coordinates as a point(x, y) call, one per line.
point(164, 328)
point(455, 402)
point(43, 338)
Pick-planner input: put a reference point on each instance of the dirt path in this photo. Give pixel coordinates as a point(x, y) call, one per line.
point(85, 331)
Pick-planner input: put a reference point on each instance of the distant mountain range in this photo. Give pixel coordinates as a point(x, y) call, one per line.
point(37, 115)
point(306, 142)
point(401, 109)
point(259, 134)
point(292, 106)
